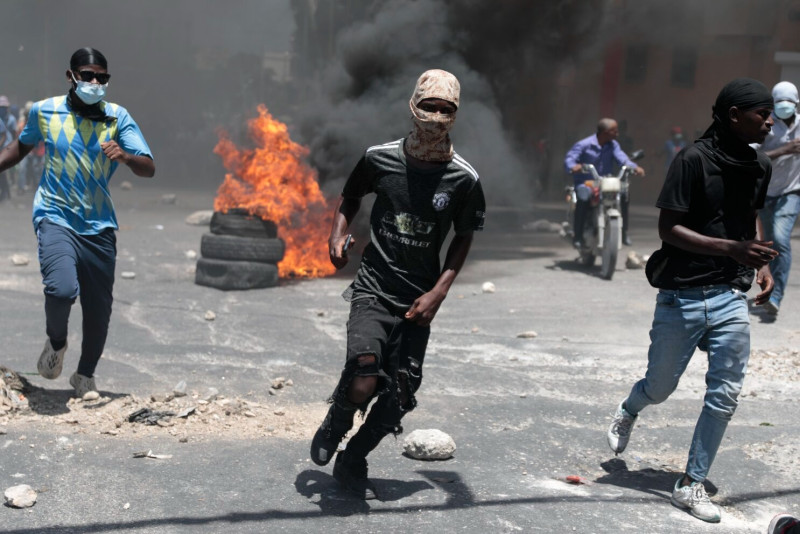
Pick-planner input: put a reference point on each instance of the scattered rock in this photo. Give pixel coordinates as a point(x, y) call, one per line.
point(20, 259)
point(279, 382)
point(187, 412)
point(542, 225)
point(210, 315)
point(475, 330)
point(180, 389)
point(128, 275)
point(200, 218)
point(169, 198)
point(126, 506)
point(13, 390)
point(22, 496)
point(90, 396)
point(126, 185)
point(149, 454)
point(488, 287)
point(211, 394)
point(429, 444)
point(190, 254)
point(634, 261)
point(527, 334)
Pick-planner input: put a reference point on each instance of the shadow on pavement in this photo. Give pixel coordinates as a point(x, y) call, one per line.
point(54, 402)
point(336, 501)
point(653, 481)
point(575, 266)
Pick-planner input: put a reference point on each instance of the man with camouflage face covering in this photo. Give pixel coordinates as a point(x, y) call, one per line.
point(422, 188)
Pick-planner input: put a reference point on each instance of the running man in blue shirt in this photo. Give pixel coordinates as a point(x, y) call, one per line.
point(601, 150)
point(86, 138)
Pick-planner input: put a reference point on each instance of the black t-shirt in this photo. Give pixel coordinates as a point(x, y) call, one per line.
point(414, 210)
point(719, 187)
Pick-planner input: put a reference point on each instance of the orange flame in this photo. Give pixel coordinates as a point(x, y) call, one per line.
point(273, 182)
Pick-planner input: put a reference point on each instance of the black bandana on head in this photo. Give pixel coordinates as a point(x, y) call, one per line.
point(745, 94)
point(719, 142)
point(87, 56)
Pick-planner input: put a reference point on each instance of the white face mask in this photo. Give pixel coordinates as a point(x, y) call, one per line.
point(785, 109)
point(89, 93)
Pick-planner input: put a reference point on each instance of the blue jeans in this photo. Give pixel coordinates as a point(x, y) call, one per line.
point(778, 217)
point(715, 320)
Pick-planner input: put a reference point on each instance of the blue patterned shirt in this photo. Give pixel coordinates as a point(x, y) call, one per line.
point(73, 190)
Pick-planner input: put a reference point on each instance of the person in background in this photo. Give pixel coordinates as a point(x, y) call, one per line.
point(711, 252)
point(603, 151)
point(9, 129)
point(782, 205)
point(73, 214)
point(674, 144)
point(27, 165)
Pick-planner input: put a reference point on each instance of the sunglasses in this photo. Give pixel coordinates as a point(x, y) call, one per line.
point(89, 75)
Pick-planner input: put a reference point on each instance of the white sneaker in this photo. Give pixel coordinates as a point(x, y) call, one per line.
point(620, 430)
point(82, 384)
point(51, 361)
point(695, 499)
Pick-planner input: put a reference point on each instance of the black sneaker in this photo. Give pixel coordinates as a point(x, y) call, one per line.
point(352, 475)
point(330, 433)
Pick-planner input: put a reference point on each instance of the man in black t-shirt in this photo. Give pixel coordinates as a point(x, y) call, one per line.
point(422, 188)
point(711, 251)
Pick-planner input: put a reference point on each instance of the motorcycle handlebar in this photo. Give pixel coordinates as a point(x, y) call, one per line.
point(590, 169)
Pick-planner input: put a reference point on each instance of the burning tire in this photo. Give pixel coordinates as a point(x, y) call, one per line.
point(235, 248)
point(239, 223)
point(222, 274)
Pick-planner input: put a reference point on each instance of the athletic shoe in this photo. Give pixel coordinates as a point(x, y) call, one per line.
point(695, 499)
point(330, 433)
point(82, 384)
point(781, 524)
point(51, 361)
point(352, 475)
point(620, 430)
point(771, 308)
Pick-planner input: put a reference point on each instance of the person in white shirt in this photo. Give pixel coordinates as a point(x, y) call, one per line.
point(782, 204)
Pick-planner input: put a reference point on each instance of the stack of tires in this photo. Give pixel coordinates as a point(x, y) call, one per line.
point(241, 252)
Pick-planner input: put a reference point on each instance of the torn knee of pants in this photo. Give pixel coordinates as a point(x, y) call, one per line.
point(361, 365)
point(408, 382)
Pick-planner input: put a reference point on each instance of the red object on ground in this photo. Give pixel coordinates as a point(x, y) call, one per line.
point(575, 479)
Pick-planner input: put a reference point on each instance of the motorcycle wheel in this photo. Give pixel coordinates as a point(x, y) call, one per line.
point(611, 241)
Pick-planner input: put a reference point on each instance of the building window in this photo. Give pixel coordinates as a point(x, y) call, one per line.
point(636, 63)
point(684, 65)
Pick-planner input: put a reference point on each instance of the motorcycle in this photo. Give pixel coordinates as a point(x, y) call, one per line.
point(602, 231)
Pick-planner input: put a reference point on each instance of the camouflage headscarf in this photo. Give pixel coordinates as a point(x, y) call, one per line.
point(429, 140)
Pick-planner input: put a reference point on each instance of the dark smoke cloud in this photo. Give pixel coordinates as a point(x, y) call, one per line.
point(363, 92)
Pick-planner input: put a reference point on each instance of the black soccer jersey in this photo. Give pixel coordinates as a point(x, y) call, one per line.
point(414, 210)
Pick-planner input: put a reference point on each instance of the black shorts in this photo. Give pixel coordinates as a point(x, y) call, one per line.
point(398, 345)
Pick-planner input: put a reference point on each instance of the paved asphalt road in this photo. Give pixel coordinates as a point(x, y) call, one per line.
point(525, 412)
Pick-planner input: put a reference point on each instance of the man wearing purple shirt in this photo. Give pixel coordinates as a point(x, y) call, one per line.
point(602, 151)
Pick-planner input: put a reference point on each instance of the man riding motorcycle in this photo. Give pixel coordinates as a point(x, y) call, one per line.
point(603, 151)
